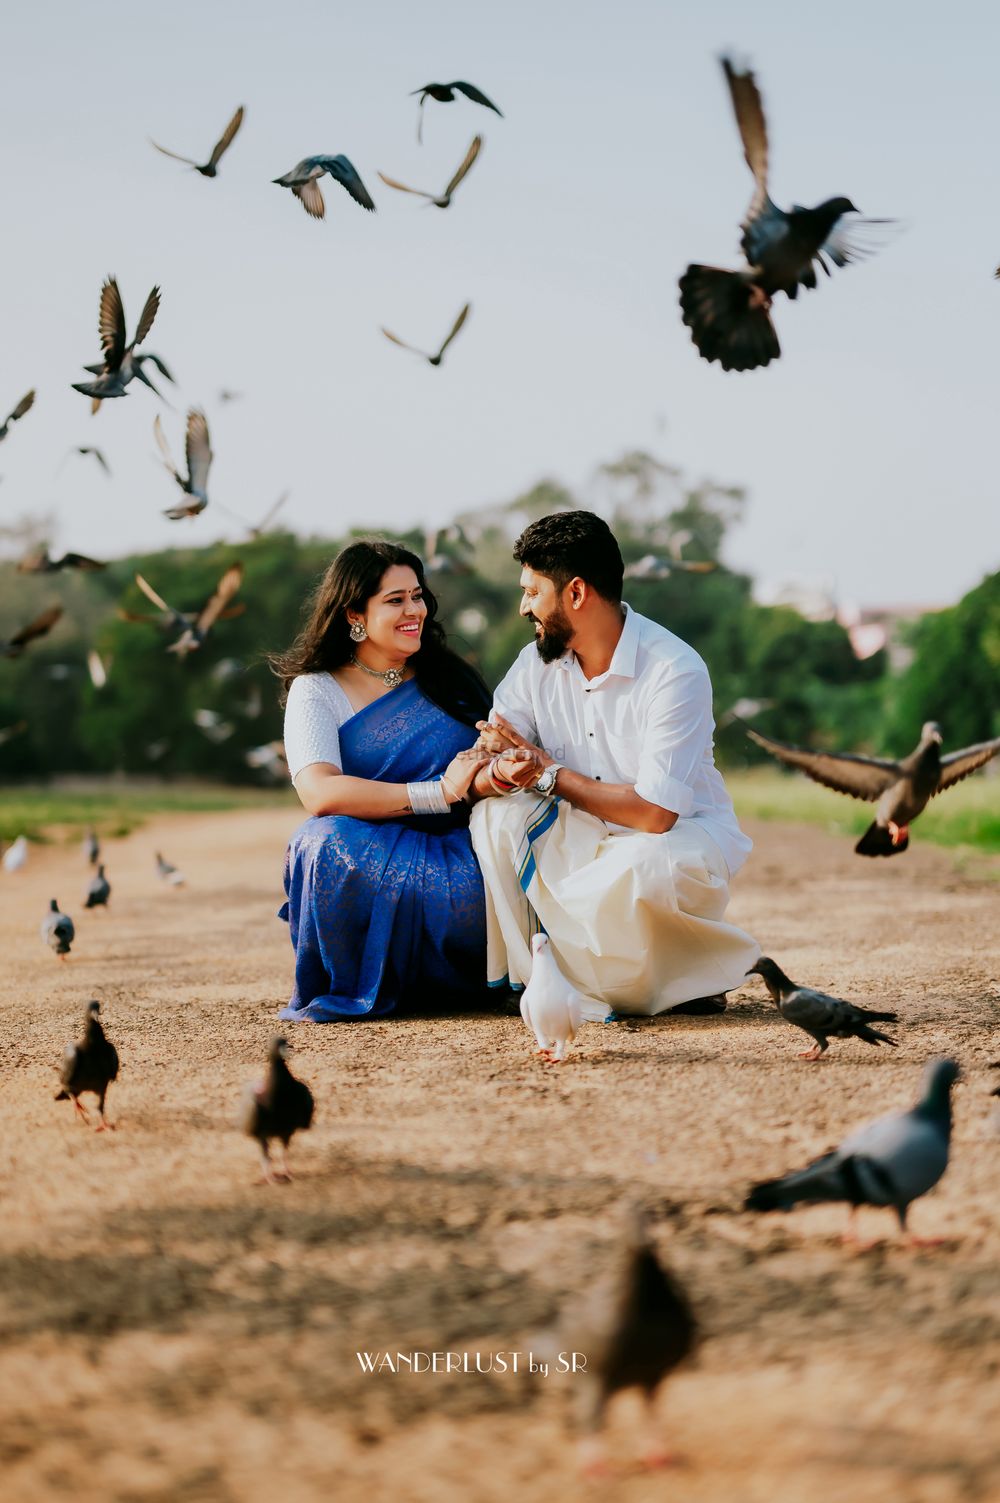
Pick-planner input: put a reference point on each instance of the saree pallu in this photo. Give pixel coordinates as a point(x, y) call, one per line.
point(635, 920)
point(391, 911)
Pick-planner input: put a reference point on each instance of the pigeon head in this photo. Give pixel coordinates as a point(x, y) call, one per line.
point(539, 944)
point(280, 1049)
point(833, 208)
point(935, 1102)
point(931, 731)
point(771, 973)
point(93, 1008)
point(53, 905)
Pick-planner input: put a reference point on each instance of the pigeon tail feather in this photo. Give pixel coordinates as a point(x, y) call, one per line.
point(877, 841)
point(729, 318)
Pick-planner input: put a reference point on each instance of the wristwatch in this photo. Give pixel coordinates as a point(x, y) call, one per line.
point(547, 782)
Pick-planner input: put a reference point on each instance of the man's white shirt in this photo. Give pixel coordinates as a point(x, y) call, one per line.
point(646, 721)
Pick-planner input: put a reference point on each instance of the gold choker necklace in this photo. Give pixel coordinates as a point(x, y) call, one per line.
point(392, 677)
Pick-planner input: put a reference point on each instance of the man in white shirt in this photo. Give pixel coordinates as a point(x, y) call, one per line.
point(603, 819)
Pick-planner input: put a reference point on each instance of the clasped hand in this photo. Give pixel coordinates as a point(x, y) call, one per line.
point(518, 761)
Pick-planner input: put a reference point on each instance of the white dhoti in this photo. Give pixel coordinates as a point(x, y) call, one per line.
point(635, 920)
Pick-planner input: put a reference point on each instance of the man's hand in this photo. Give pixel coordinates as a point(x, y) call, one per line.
point(520, 765)
point(497, 736)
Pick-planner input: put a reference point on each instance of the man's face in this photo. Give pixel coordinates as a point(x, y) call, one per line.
point(542, 604)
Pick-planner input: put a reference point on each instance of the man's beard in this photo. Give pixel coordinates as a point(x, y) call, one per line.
point(555, 636)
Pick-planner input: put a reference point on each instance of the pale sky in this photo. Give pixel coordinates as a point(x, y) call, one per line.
point(867, 451)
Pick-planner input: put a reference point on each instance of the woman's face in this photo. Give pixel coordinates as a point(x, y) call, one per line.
point(394, 616)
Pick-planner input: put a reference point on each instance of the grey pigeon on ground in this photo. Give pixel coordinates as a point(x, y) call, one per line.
point(728, 312)
point(634, 1329)
point(441, 200)
point(198, 454)
point(211, 167)
point(891, 1162)
point(90, 1065)
point(902, 788)
point(436, 358)
point(168, 873)
point(304, 177)
point(445, 93)
point(99, 890)
point(276, 1107)
point(40, 627)
point(121, 363)
point(57, 930)
point(817, 1013)
point(91, 848)
point(25, 405)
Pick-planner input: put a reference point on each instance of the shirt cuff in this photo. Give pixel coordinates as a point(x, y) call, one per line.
point(669, 793)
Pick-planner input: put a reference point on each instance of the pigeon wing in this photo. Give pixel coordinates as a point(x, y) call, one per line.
point(813, 1011)
point(159, 366)
point(391, 182)
point(80, 561)
point(749, 111)
point(150, 594)
point(269, 516)
point(467, 161)
point(310, 195)
point(224, 592)
point(345, 172)
point(401, 342)
point(226, 139)
point(198, 450)
point(860, 777)
point(37, 628)
point(111, 325)
point(855, 238)
point(147, 316)
point(476, 95)
point(906, 1150)
point(460, 320)
point(186, 160)
point(25, 405)
point(958, 764)
point(164, 448)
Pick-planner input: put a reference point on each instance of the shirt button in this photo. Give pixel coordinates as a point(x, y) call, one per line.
point(590, 733)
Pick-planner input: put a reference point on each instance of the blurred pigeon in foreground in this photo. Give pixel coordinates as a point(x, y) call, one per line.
point(211, 167)
point(90, 1065)
point(304, 183)
point(25, 405)
point(995, 1066)
point(40, 627)
point(635, 1328)
point(276, 1107)
point(891, 1162)
point(902, 788)
point(168, 873)
point(441, 200)
point(16, 855)
point(433, 359)
point(552, 1008)
point(99, 891)
point(198, 453)
point(728, 312)
point(444, 93)
point(57, 930)
point(821, 1016)
point(91, 848)
point(121, 364)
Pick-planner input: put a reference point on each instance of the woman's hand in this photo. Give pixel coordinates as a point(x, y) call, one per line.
point(498, 736)
point(461, 770)
point(520, 765)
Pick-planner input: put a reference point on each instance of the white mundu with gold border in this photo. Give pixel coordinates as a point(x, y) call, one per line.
point(636, 920)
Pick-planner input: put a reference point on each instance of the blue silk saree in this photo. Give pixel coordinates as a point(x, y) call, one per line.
point(387, 912)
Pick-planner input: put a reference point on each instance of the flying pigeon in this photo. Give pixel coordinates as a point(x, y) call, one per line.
point(225, 395)
point(25, 405)
point(651, 566)
point(433, 359)
point(99, 891)
point(194, 629)
point(304, 183)
point(276, 1107)
point(89, 449)
point(270, 759)
point(441, 201)
point(213, 726)
point(90, 1065)
point(57, 930)
point(257, 529)
point(168, 873)
point(729, 312)
point(91, 848)
point(448, 551)
point(634, 1328)
point(211, 167)
point(198, 453)
point(902, 788)
point(16, 855)
point(40, 627)
point(552, 1008)
point(98, 669)
point(821, 1016)
point(891, 1162)
point(42, 562)
point(121, 363)
point(444, 93)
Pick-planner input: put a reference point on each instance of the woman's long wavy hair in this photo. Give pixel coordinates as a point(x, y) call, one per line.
point(324, 643)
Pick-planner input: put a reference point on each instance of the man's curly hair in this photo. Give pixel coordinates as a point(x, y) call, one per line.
point(570, 545)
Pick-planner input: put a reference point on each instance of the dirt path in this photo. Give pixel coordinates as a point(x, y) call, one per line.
point(168, 1331)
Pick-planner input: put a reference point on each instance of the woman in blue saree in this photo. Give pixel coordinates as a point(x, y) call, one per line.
point(385, 898)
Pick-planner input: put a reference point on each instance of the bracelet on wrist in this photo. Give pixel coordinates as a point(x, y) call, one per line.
point(427, 798)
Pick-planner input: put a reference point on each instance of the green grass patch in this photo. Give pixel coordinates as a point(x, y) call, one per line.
point(115, 809)
point(967, 815)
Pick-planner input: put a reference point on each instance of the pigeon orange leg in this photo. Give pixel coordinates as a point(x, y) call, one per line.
point(80, 1110)
point(898, 833)
point(851, 1236)
point(813, 1053)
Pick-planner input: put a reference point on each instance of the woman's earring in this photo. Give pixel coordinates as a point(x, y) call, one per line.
point(358, 633)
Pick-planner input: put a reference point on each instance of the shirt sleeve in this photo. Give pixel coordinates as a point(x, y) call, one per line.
point(677, 731)
point(311, 727)
point(512, 700)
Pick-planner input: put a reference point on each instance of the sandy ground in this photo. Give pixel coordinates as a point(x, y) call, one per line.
point(169, 1331)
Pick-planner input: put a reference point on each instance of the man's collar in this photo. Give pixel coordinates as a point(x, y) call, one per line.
point(622, 664)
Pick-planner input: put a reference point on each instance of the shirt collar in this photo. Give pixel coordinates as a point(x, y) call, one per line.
point(622, 664)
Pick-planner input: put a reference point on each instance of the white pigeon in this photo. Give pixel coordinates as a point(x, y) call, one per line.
point(168, 873)
point(15, 856)
point(552, 1007)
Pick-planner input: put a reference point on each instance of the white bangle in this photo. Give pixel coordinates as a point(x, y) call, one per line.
point(427, 798)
